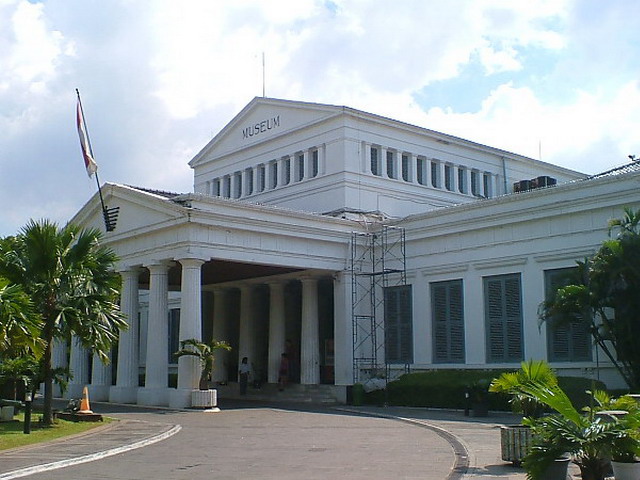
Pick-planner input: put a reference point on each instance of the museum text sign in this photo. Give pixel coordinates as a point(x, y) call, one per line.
point(261, 127)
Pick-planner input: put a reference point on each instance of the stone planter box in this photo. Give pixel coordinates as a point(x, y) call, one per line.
point(626, 471)
point(204, 398)
point(6, 413)
point(515, 442)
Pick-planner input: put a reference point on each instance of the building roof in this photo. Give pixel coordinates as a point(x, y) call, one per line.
point(621, 170)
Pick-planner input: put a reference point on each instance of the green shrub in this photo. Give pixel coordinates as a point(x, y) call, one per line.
point(446, 389)
point(437, 389)
point(576, 389)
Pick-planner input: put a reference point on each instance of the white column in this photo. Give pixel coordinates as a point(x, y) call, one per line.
point(441, 175)
point(252, 179)
point(322, 159)
point(413, 168)
point(100, 379)
point(59, 360)
point(342, 327)
point(309, 337)
point(454, 178)
point(126, 388)
point(468, 180)
point(276, 329)
point(367, 159)
point(246, 341)
point(383, 162)
point(398, 165)
point(219, 332)
point(190, 327)
point(79, 366)
point(155, 391)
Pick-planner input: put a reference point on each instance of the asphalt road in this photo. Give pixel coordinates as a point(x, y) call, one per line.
point(244, 442)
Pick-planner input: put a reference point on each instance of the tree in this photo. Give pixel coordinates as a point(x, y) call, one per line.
point(69, 277)
point(605, 295)
point(204, 352)
point(19, 324)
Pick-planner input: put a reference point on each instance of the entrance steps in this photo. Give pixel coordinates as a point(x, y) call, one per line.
point(319, 394)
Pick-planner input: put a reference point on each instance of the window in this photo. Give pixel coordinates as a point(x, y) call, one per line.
point(434, 174)
point(216, 187)
point(374, 161)
point(474, 183)
point(391, 165)
point(448, 177)
point(273, 166)
point(238, 184)
point(462, 187)
point(174, 334)
point(566, 342)
point(447, 313)
point(503, 318)
point(315, 163)
point(486, 184)
point(300, 163)
point(422, 171)
point(405, 168)
point(262, 173)
point(398, 324)
point(227, 187)
point(248, 174)
point(286, 171)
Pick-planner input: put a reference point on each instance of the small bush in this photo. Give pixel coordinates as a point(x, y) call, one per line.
point(447, 388)
point(438, 389)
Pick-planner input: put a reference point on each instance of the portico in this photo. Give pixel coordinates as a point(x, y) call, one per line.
point(223, 289)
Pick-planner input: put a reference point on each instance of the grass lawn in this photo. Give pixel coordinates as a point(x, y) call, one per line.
point(11, 433)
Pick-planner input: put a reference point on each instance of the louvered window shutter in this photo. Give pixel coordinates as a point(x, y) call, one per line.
point(398, 323)
point(566, 342)
point(503, 315)
point(448, 322)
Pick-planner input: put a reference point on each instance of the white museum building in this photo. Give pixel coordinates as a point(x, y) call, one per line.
point(355, 243)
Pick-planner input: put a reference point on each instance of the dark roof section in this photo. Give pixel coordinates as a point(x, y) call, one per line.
point(161, 193)
point(628, 168)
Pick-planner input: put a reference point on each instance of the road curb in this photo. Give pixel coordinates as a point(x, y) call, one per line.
point(91, 457)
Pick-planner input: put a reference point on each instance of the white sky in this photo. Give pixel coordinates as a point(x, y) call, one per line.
point(159, 78)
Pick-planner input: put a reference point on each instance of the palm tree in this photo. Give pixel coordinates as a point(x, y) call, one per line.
point(589, 439)
point(512, 383)
point(205, 354)
point(19, 324)
point(70, 279)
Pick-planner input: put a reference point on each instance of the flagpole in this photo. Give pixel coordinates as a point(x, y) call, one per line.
point(86, 131)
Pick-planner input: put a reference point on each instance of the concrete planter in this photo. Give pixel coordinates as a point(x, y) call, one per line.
point(6, 413)
point(515, 442)
point(204, 398)
point(558, 469)
point(626, 471)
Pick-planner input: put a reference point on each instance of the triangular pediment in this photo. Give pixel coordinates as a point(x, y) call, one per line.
point(261, 120)
point(137, 210)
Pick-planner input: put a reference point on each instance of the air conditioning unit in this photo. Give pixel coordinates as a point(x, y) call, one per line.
point(543, 181)
point(522, 186)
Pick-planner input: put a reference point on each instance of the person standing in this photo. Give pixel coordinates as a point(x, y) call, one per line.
point(244, 372)
point(283, 372)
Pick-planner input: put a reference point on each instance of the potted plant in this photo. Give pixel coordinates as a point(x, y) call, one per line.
point(586, 437)
point(204, 352)
point(625, 449)
point(479, 392)
point(516, 440)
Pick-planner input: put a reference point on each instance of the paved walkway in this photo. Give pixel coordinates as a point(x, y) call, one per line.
point(323, 442)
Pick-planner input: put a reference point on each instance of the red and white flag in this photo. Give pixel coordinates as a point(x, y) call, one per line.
point(89, 162)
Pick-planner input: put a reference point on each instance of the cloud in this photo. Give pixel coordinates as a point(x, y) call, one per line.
point(160, 78)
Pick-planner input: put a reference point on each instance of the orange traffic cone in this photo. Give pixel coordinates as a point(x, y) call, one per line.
point(84, 403)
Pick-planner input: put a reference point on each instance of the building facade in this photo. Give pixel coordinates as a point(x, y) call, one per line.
point(354, 243)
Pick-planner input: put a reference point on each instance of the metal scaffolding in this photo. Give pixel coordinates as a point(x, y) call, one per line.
point(378, 261)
